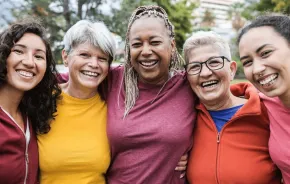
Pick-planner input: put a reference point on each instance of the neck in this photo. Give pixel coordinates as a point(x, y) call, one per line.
point(225, 102)
point(160, 81)
point(10, 99)
point(78, 91)
point(285, 99)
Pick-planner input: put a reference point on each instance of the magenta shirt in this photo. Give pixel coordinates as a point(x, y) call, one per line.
point(147, 145)
point(279, 143)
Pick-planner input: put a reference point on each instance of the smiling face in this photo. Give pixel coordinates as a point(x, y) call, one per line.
point(26, 64)
point(266, 61)
point(88, 67)
point(150, 49)
point(211, 86)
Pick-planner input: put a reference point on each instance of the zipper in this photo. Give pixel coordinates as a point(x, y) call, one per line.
point(217, 156)
point(27, 140)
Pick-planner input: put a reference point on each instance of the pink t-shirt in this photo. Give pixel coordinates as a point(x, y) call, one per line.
point(147, 145)
point(279, 143)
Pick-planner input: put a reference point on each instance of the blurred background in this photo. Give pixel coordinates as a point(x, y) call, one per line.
point(225, 17)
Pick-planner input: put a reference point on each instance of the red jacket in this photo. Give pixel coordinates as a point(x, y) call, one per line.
point(239, 153)
point(17, 159)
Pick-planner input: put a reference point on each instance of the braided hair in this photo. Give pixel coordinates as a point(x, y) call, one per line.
point(130, 75)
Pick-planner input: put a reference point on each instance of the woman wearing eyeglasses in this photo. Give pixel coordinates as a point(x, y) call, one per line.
point(230, 142)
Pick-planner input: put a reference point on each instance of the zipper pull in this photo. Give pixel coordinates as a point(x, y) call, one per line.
point(27, 158)
point(218, 138)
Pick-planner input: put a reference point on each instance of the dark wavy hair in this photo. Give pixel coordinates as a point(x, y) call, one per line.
point(39, 103)
point(279, 22)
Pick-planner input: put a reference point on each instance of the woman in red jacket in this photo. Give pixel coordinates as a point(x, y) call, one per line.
point(230, 139)
point(28, 92)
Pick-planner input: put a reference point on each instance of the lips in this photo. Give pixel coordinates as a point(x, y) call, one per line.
point(148, 63)
point(211, 83)
point(25, 73)
point(268, 80)
point(90, 73)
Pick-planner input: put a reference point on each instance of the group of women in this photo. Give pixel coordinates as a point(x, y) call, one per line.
point(133, 123)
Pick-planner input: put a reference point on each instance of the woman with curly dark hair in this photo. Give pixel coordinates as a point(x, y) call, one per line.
point(28, 93)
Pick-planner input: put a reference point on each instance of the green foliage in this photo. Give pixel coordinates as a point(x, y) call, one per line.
point(282, 6)
point(180, 14)
point(119, 21)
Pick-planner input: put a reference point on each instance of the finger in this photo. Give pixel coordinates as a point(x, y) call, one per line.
point(182, 175)
point(182, 163)
point(178, 168)
point(184, 157)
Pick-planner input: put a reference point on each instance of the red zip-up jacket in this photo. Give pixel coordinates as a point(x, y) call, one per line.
point(18, 160)
point(239, 153)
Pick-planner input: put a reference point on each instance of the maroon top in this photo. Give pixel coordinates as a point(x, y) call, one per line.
point(13, 160)
point(147, 145)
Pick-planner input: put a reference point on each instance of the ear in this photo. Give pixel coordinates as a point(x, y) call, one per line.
point(233, 68)
point(64, 57)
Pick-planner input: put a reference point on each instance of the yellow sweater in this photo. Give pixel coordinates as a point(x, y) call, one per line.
point(76, 149)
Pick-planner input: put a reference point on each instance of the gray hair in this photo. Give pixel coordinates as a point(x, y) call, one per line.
point(205, 38)
point(95, 33)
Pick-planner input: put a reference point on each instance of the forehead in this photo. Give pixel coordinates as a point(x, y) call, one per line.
point(148, 26)
point(253, 39)
point(31, 40)
point(203, 53)
point(89, 48)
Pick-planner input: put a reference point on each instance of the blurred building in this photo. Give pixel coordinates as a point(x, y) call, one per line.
point(219, 10)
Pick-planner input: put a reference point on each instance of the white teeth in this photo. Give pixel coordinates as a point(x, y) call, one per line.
point(25, 73)
point(269, 80)
point(92, 74)
point(209, 83)
point(151, 63)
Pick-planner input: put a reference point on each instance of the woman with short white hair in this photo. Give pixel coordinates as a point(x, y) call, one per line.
point(230, 139)
point(76, 149)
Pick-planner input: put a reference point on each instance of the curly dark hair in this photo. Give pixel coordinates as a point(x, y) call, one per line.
point(39, 103)
point(279, 22)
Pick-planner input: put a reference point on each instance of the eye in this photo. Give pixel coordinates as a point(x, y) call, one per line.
point(17, 51)
point(215, 62)
point(155, 43)
point(247, 63)
point(103, 59)
point(39, 57)
point(266, 53)
point(193, 67)
point(85, 55)
point(136, 44)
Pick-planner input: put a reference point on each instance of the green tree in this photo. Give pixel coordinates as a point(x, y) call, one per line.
point(119, 20)
point(180, 14)
point(273, 6)
point(58, 16)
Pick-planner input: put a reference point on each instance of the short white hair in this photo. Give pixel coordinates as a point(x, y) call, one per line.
point(205, 38)
point(95, 33)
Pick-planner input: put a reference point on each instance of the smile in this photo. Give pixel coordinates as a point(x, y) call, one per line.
point(148, 63)
point(209, 84)
point(90, 74)
point(25, 73)
point(268, 80)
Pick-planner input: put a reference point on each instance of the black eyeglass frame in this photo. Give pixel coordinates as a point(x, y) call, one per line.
point(205, 62)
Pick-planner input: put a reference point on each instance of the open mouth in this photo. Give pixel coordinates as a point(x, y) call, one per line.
point(25, 73)
point(90, 74)
point(267, 81)
point(148, 63)
point(209, 84)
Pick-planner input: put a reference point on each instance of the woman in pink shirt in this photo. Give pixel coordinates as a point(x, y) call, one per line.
point(264, 47)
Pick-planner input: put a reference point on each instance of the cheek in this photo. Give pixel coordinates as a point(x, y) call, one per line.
point(42, 67)
point(248, 73)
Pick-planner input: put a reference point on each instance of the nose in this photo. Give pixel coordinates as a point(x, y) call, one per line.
point(258, 67)
point(146, 50)
point(94, 62)
point(205, 71)
point(28, 60)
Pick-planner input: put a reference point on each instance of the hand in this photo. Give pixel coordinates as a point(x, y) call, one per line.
point(182, 164)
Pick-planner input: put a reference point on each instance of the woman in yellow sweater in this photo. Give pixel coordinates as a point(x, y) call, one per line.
point(76, 149)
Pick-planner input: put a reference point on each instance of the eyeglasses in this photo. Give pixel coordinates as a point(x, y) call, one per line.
point(213, 63)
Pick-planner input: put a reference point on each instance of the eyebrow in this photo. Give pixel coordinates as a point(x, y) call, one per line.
point(257, 51)
point(24, 46)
